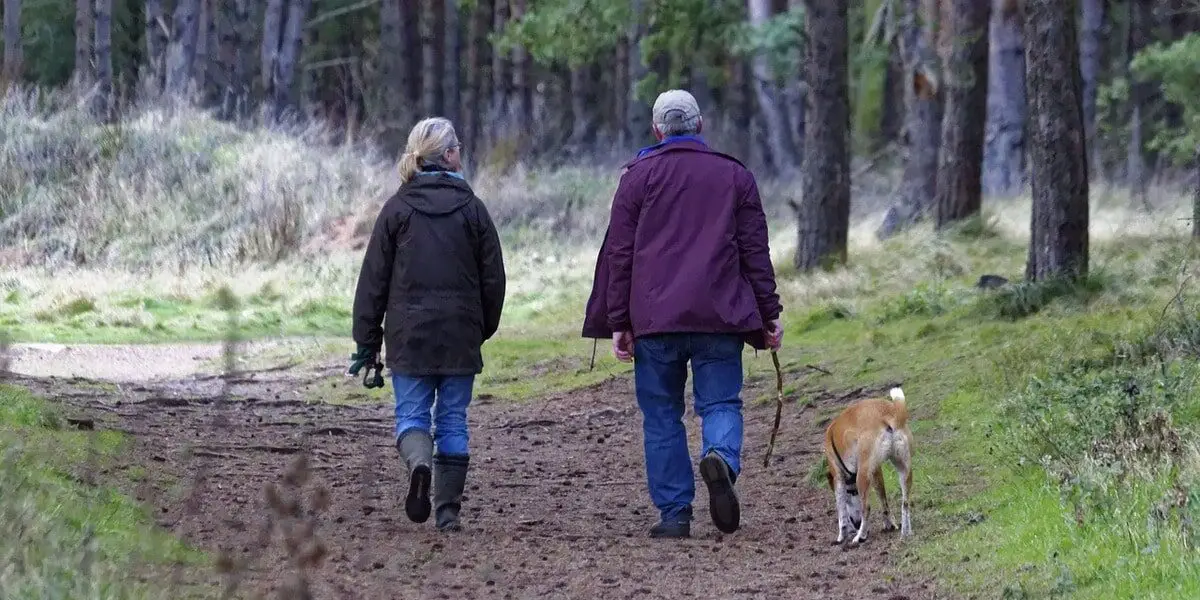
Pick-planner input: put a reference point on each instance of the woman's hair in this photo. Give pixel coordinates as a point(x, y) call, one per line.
point(427, 141)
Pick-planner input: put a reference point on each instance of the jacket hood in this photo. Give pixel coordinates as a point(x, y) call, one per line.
point(436, 192)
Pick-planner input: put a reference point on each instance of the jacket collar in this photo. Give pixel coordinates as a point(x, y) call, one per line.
point(434, 169)
point(672, 140)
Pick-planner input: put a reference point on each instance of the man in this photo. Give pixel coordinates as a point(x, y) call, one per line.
point(685, 275)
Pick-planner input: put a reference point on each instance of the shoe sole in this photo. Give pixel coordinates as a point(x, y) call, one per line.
point(417, 505)
point(723, 503)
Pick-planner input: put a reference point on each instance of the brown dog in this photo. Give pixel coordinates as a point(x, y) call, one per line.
point(857, 443)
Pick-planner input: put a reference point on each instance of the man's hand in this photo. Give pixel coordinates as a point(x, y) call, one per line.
point(774, 334)
point(623, 345)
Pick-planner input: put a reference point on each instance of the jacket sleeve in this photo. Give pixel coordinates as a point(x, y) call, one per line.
point(374, 280)
point(623, 221)
point(754, 248)
point(492, 280)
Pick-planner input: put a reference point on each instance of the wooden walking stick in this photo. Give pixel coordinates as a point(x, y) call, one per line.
point(778, 406)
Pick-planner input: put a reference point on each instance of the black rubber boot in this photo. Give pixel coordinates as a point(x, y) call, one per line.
point(723, 503)
point(678, 527)
point(449, 478)
point(416, 448)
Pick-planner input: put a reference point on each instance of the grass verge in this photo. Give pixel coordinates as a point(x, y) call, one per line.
point(61, 537)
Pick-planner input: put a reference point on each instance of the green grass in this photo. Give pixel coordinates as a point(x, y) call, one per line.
point(61, 537)
point(992, 520)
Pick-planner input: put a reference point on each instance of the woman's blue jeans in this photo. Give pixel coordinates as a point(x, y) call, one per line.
point(445, 419)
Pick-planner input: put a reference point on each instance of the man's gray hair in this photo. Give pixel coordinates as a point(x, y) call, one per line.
point(676, 113)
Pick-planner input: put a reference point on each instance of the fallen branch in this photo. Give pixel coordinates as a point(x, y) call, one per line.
point(819, 369)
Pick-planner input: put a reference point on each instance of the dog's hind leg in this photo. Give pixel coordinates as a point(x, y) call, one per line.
point(905, 487)
point(888, 524)
point(839, 495)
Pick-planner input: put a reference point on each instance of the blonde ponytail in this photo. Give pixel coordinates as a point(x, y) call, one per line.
point(408, 167)
point(428, 140)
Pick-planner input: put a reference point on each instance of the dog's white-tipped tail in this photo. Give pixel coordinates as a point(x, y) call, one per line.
point(897, 394)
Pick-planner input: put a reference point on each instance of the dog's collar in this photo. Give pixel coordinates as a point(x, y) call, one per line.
point(849, 478)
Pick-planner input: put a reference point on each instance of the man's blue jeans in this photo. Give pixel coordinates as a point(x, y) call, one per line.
point(448, 423)
point(660, 374)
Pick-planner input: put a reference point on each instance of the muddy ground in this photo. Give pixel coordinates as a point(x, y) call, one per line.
point(556, 505)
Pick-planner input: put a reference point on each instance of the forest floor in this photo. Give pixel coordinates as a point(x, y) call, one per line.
point(556, 505)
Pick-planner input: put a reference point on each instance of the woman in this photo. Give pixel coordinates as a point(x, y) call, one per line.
point(434, 268)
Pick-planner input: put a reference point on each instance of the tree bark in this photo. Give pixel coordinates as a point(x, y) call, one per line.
point(181, 51)
point(1091, 60)
point(284, 77)
point(272, 33)
point(1059, 224)
point(501, 78)
point(1004, 147)
point(771, 98)
point(410, 19)
point(583, 113)
point(960, 161)
point(452, 84)
point(922, 116)
point(14, 56)
point(432, 57)
point(204, 34)
point(392, 74)
point(637, 111)
point(891, 118)
point(103, 107)
point(824, 212)
point(157, 33)
point(477, 81)
point(522, 99)
point(83, 42)
point(1196, 193)
point(1141, 20)
point(235, 49)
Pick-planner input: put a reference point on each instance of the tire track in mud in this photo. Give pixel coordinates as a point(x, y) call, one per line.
point(555, 506)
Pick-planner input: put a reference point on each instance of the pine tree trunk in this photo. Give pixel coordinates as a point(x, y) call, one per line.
point(637, 111)
point(1196, 193)
point(501, 78)
point(392, 75)
point(410, 19)
point(891, 118)
point(272, 33)
point(620, 93)
point(181, 51)
point(204, 31)
point(771, 98)
point(960, 160)
point(741, 109)
point(83, 42)
point(1058, 154)
point(522, 98)
point(235, 50)
point(1091, 61)
point(922, 116)
point(1141, 19)
point(104, 108)
point(824, 213)
point(283, 80)
point(14, 56)
point(583, 114)
point(431, 22)
point(452, 84)
point(1004, 148)
point(478, 81)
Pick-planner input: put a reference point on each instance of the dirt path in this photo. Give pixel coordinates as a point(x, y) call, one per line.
point(546, 514)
